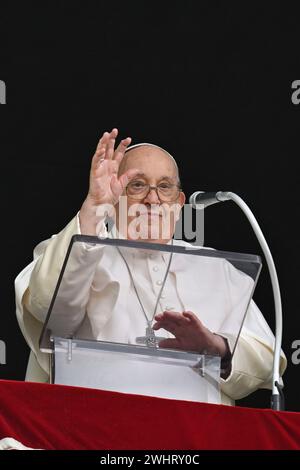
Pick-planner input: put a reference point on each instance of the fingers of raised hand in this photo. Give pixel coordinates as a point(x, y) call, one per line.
point(120, 150)
point(103, 140)
point(128, 176)
point(106, 148)
point(99, 154)
point(98, 157)
point(110, 145)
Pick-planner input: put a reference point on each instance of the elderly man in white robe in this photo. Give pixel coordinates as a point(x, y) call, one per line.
point(146, 174)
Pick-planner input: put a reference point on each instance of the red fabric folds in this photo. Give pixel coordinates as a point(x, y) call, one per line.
point(58, 417)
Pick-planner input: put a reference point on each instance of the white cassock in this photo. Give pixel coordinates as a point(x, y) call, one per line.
point(99, 302)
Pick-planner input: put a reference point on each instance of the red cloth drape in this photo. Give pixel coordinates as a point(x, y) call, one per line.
point(59, 417)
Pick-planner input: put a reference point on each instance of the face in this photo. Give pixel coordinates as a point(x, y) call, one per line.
point(149, 217)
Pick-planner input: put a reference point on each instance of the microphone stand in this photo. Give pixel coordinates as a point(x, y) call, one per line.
point(277, 398)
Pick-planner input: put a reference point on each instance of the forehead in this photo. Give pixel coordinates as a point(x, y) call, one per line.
point(152, 161)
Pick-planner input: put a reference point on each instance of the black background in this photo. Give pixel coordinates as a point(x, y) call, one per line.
point(208, 81)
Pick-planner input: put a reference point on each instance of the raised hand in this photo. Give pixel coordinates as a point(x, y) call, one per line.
point(105, 186)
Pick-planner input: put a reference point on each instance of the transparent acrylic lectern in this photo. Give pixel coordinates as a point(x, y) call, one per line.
point(95, 281)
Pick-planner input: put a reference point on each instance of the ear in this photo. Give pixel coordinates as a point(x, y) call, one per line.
point(179, 204)
point(181, 198)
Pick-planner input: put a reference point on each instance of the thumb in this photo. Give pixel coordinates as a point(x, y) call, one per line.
point(128, 176)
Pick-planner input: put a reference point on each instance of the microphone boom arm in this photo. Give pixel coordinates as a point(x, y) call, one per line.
point(221, 196)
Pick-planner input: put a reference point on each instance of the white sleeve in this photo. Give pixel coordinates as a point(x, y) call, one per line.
point(76, 283)
point(253, 358)
point(35, 284)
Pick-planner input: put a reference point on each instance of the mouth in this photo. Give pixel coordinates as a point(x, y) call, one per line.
point(153, 215)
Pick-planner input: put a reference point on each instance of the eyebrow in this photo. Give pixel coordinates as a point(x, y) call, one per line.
point(171, 178)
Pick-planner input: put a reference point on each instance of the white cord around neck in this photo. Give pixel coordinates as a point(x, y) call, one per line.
point(149, 321)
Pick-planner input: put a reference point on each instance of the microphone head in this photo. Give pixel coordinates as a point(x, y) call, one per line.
point(194, 198)
point(202, 199)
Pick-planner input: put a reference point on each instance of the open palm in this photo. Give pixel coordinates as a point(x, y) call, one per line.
point(105, 185)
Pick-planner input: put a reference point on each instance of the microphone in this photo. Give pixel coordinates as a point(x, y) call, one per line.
point(201, 200)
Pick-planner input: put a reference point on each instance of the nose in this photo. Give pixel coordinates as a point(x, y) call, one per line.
point(152, 197)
